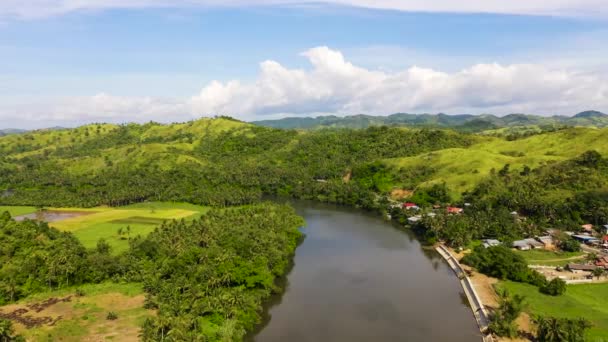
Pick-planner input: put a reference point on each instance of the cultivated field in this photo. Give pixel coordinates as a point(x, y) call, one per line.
point(92, 224)
point(64, 316)
point(16, 211)
point(132, 220)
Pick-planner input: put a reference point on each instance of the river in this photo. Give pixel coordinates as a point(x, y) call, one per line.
point(358, 278)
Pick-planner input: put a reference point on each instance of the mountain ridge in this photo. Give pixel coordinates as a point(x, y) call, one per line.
point(463, 122)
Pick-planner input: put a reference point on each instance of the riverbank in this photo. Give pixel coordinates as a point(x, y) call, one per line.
point(477, 306)
point(485, 287)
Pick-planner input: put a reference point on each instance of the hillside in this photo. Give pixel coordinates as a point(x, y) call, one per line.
point(222, 161)
point(463, 122)
point(463, 168)
point(7, 131)
point(209, 161)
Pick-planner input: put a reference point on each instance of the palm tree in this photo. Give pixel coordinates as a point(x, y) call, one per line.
point(555, 331)
point(598, 272)
point(591, 257)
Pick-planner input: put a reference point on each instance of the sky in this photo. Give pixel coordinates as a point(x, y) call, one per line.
point(72, 62)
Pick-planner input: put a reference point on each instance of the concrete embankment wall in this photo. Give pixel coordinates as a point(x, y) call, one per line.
point(479, 311)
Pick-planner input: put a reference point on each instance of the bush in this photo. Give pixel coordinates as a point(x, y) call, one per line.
point(112, 316)
point(569, 245)
point(555, 287)
point(502, 263)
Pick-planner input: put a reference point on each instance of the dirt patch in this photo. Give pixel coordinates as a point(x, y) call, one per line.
point(26, 317)
point(399, 194)
point(48, 318)
point(347, 177)
point(52, 215)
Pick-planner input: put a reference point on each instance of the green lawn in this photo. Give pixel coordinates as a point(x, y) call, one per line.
point(17, 210)
point(550, 258)
point(141, 218)
point(586, 300)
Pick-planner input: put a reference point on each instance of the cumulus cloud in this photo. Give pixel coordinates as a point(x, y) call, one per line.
point(44, 8)
point(334, 85)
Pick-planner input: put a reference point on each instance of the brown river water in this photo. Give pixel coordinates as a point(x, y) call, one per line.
point(358, 278)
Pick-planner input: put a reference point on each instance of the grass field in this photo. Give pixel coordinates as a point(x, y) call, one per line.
point(587, 300)
point(549, 258)
point(142, 218)
point(84, 318)
point(463, 168)
point(104, 222)
point(16, 211)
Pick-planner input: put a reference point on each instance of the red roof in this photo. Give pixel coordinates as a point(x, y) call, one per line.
point(605, 238)
point(454, 210)
point(409, 205)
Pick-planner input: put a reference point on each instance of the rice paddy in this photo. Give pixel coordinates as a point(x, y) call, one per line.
point(115, 225)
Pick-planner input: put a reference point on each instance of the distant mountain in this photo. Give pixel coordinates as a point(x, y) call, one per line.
point(8, 131)
point(591, 114)
point(462, 122)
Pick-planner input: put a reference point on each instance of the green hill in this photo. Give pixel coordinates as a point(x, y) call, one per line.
point(225, 162)
point(463, 122)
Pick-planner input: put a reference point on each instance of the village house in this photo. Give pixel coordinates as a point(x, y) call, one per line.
point(454, 210)
point(605, 241)
point(606, 228)
point(410, 206)
point(414, 219)
point(490, 243)
point(580, 268)
point(527, 244)
point(602, 262)
point(586, 239)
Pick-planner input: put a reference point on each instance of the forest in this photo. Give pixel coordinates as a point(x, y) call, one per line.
point(206, 278)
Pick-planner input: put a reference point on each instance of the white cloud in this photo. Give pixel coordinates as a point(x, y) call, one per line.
point(334, 85)
point(44, 8)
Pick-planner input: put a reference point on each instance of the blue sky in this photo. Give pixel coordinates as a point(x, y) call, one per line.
point(175, 63)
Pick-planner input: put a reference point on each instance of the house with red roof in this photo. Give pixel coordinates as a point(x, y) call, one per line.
point(455, 210)
point(410, 205)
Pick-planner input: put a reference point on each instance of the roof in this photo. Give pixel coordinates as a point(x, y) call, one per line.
point(526, 243)
point(584, 237)
point(580, 267)
point(454, 210)
point(414, 219)
point(545, 239)
point(533, 242)
point(490, 242)
point(520, 243)
point(587, 226)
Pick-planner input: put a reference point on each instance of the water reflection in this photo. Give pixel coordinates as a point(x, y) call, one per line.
point(358, 278)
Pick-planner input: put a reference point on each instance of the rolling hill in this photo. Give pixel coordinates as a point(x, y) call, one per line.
point(463, 122)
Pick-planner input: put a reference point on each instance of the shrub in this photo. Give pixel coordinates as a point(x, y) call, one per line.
point(111, 316)
point(555, 287)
